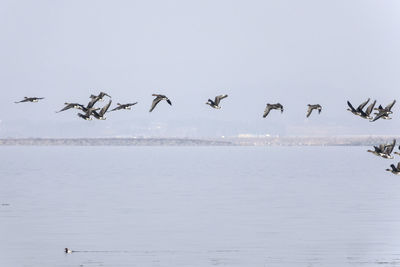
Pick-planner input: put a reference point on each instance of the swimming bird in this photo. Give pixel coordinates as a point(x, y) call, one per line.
point(272, 106)
point(29, 99)
point(312, 107)
point(68, 251)
point(394, 169)
point(100, 114)
point(71, 105)
point(123, 106)
point(215, 103)
point(158, 99)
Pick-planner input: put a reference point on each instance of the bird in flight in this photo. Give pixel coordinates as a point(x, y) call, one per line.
point(29, 99)
point(215, 103)
point(158, 99)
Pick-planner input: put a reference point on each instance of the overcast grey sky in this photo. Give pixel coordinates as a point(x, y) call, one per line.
point(293, 52)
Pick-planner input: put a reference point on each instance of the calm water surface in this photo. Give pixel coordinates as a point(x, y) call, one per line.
point(198, 206)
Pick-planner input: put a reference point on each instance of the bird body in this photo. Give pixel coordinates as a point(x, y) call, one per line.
point(88, 113)
point(215, 103)
point(394, 169)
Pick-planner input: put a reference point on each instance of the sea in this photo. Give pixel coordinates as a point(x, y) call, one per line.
point(197, 206)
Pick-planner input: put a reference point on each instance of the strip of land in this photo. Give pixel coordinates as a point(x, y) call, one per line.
point(223, 141)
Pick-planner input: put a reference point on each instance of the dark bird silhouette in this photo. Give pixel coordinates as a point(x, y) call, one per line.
point(384, 112)
point(123, 106)
point(394, 169)
point(215, 103)
point(384, 150)
point(158, 99)
point(95, 98)
point(269, 107)
point(87, 114)
point(29, 99)
point(71, 105)
point(100, 114)
point(359, 109)
point(312, 107)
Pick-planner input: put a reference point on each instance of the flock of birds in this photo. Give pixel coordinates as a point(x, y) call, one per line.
point(371, 113)
point(385, 151)
point(90, 110)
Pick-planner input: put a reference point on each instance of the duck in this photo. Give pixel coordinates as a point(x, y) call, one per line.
point(158, 99)
point(312, 107)
point(123, 106)
point(68, 251)
point(272, 106)
point(30, 99)
point(215, 103)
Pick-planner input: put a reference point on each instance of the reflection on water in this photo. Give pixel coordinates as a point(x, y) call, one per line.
point(197, 206)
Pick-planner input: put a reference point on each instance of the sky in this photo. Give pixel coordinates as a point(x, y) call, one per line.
point(258, 52)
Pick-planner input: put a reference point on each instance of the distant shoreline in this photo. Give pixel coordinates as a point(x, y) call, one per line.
point(227, 141)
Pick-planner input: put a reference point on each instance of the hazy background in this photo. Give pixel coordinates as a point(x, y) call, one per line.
point(292, 52)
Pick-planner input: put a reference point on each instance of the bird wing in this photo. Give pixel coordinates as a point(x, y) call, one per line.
point(105, 108)
point(310, 109)
point(155, 102)
point(362, 105)
point(68, 106)
point(93, 101)
point(266, 111)
point(394, 167)
point(370, 108)
point(169, 101)
point(389, 107)
point(398, 166)
point(117, 108)
point(351, 106)
point(379, 115)
point(390, 148)
point(218, 99)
